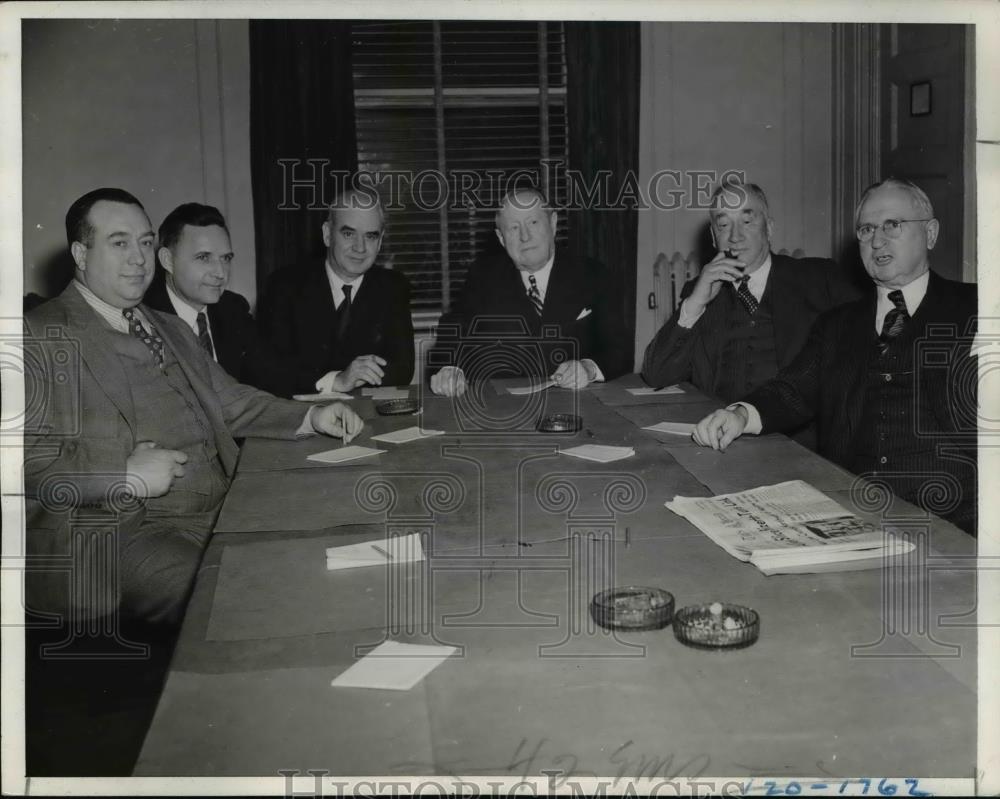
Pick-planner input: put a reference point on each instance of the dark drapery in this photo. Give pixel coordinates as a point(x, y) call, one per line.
point(301, 110)
point(602, 66)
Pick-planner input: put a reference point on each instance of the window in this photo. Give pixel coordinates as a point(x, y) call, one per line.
point(455, 110)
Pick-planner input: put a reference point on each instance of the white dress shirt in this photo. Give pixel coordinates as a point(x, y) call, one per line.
point(337, 284)
point(756, 283)
point(189, 315)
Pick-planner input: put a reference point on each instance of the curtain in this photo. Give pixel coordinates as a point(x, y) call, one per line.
point(602, 66)
point(301, 109)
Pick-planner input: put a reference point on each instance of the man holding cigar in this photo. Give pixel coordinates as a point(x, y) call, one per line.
point(748, 313)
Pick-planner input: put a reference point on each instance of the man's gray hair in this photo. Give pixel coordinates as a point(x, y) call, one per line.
point(732, 195)
point(919, 196)
point(357, 197)
point(510, 198)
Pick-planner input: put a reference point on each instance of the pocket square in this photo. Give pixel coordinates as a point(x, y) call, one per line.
point(584, 314)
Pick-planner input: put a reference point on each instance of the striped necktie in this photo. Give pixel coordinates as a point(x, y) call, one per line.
point(894, 322)
point(743, 292)
point(535, 295)
point(204, 337)
point(151, 340)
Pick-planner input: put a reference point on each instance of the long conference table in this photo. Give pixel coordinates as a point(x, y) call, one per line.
point(855, 673)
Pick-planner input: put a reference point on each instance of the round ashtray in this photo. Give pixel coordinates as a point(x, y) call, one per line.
point(397, 407)
point(560, 423)
point(717, 625)
point(634, 607)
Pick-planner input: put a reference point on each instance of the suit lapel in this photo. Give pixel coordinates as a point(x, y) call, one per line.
point(783, 304)
point(858, 344)
point(97, 354)
point(227, 351)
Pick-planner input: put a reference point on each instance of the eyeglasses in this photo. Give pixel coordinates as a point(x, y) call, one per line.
point(892, 228)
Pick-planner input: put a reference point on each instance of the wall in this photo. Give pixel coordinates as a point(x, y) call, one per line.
point(158, 107)
point(754, 97)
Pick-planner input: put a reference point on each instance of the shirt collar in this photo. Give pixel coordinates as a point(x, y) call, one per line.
point(109, 313)
point(758, 278)
point(913, 293)
point(337, 284)
point(184, 309)
point(541, 276)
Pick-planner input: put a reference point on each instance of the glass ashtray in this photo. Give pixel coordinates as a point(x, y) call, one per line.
point(716, 626)
point(560, 423)
point(634, 607)
point(397, 407)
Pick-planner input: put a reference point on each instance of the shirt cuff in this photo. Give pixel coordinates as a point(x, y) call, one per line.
point(754, 424)
point(306, 428)
point(589, 364)
point(325, 384)
point(687, 318)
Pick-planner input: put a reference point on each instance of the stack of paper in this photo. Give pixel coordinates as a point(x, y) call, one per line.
point(330, 395)
point(343, 454)
point(406, 435)
point(532, 388)
point(397, 549)
point(386, 393)
point(789, 528)
point(646, 391)
point(599, 452)
point(394, 666)
point(675, 428)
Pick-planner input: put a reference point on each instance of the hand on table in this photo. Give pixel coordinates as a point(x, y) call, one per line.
point(573, 375)
point(150, 471)
point(449, 382)
point(365, 369)
point(337, 420)
point(720, 428)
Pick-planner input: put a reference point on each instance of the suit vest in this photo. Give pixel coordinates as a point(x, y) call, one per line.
point(749, 357)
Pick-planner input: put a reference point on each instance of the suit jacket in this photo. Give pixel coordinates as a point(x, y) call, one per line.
point(80, 427)
point(298, 316)
point(799, 289)
point(827, 380)
point(582, 318)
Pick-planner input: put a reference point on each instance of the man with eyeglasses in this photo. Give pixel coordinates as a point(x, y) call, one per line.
point(748, 313)
point(889, 378)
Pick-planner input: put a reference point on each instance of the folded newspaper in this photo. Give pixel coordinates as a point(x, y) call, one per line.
point(789, 528)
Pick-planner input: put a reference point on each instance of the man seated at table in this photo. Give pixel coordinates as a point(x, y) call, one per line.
point(560, 315)
point(196, 257)
point(888, 378)
point(129, 437)
point(749, 311)
point(344, 322)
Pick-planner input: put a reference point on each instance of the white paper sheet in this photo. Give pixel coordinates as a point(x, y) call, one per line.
point(331, 395)
point(646, 391)
point(401, 549)
point(394, 666)
point(599, 452)
point(534, 388)
point(386, 393)
point(406, 435)
point(677, 428)
point(344, 454)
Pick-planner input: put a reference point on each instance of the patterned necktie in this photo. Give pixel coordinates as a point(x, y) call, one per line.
point(151, 340)
point(535, 295)
point(894, 322)
point(344, 319)
point(204, 338)
point(743, 292)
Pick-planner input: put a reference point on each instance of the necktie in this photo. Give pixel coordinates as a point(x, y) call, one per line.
point(535, 295)
point(895, 320)
point(151, 340)
point(203, 335)
point(344, 318)
point(745, 297)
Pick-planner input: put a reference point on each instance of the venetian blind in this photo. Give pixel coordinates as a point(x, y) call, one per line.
point(456, 110)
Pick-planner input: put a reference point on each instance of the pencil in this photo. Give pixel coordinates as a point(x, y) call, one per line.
point(379, 549)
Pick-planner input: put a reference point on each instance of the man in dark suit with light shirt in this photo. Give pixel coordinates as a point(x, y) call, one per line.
point(890, 379)
point(533, 310)
point(345, 322)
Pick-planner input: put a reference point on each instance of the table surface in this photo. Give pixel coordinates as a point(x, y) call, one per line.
point(855, 673)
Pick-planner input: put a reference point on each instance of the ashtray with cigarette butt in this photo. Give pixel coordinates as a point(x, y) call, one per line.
point(633, 607)
point(560, 423)
point(716, 626)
